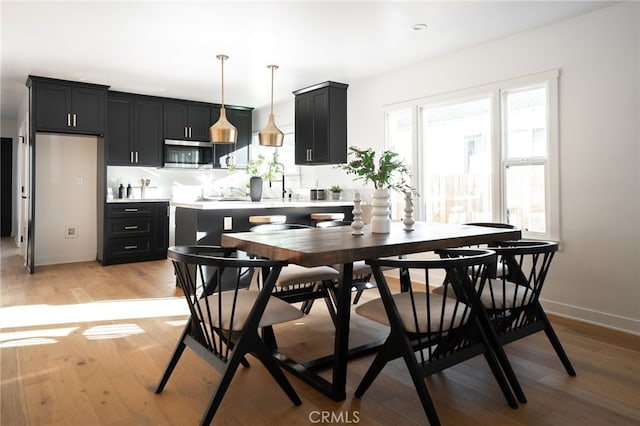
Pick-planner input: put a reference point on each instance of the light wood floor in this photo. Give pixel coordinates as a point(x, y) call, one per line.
point(83, 344)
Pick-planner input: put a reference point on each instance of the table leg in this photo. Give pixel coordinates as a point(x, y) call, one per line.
point(341, 344)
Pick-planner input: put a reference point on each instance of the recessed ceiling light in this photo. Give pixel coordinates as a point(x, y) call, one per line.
point(419, 27)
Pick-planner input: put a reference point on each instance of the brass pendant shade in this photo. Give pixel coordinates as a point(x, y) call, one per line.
point(271, 135)
point(223, 132)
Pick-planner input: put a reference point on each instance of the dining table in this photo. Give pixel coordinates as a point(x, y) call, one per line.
point(339, 245)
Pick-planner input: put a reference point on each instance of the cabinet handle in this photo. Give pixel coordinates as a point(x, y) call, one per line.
point(186, 133)
point(131, 156)
point(74, 120)
point(190, 130)
point(68, 120)
point(136, 157)
point(131, 227)
point(130, 247)
point(130, 210)
point(309, 154)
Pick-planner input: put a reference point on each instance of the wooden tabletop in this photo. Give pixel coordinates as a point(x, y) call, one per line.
point(326, 246)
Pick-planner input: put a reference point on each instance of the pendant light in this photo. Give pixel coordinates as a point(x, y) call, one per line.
point(222, 131)
point(271, 135)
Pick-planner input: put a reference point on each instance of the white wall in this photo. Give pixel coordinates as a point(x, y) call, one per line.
point(66, 175)
point(596, 277)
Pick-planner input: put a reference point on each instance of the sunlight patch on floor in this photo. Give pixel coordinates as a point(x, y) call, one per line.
point(33, 337)
point(110, 310)
point(112, 331)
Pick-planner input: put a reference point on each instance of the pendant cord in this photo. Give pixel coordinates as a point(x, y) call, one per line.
point(272, 70)
point(222, 72)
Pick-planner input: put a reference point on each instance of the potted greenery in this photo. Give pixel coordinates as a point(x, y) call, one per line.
point(386, 173)
point(259, 170)
point(335, 191)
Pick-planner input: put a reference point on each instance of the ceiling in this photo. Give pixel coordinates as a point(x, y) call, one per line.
point(167, 48)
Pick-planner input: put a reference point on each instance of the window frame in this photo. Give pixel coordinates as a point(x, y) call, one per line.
point(550, 80)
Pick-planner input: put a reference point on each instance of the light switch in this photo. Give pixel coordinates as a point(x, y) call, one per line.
point(227, 223)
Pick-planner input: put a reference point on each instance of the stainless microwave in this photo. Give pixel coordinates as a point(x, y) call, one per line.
point(188, 154)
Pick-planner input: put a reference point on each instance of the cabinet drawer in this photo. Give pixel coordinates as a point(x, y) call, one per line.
point(129, 227)
point(129, 210)
point(128, 247)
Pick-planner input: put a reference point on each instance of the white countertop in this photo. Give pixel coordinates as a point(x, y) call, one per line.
point(139, 200)
point(264, 204)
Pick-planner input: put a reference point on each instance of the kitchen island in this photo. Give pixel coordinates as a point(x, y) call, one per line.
point(203, 222)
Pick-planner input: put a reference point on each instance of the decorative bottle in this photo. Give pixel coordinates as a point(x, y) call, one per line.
point(408, 212)
point(129, 189)
point(121, 191)
point(357, 223)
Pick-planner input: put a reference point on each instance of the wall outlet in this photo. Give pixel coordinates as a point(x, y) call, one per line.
point(227, 223)
point(71, 231)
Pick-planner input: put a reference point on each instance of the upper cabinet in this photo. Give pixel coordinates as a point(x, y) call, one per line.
point(321, 124)
point(238, 154)
point(187, 121)
point(62, 106)
point(134, 130)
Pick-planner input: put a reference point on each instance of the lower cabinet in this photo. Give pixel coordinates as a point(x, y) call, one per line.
point(135, 232)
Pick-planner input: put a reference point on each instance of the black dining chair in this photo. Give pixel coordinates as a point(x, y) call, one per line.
point(498, 269)
point(300, 283)
point(512, 300)
point(432, 332)
point(225, 315)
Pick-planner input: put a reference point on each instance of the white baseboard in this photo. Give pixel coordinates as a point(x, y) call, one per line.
point(67, 258)
point(604, 319)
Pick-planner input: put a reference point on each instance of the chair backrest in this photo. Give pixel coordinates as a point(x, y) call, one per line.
point(332, 223)
point(441, 324)
point(513, 299)
point(214, 280)
point(270, 227)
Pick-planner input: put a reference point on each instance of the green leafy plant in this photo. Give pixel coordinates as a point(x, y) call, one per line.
point(260, 167)
point(388, 171)
point(335, 189)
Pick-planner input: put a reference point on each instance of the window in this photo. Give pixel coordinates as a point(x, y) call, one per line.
point(456, 157)
point(486, 154)
point(399, 131)
point(525, 157)
point(286, 152)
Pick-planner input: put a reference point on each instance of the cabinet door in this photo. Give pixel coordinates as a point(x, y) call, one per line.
point(52, 107)
point(199, 122)
point(87, 108)
point(160, 229)
point(320, 146)
point(118, 137)
point(147, 131)
point(303, 128)
point(238, 154)
point(175, 120)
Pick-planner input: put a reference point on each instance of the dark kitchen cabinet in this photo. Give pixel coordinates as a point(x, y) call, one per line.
point(135, 232)
point(187, 121)
point(321, 124)
point(134, 131)
point(62, 106)
point(238, 154)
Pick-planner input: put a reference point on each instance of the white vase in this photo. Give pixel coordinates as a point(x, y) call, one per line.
point(380, 219)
